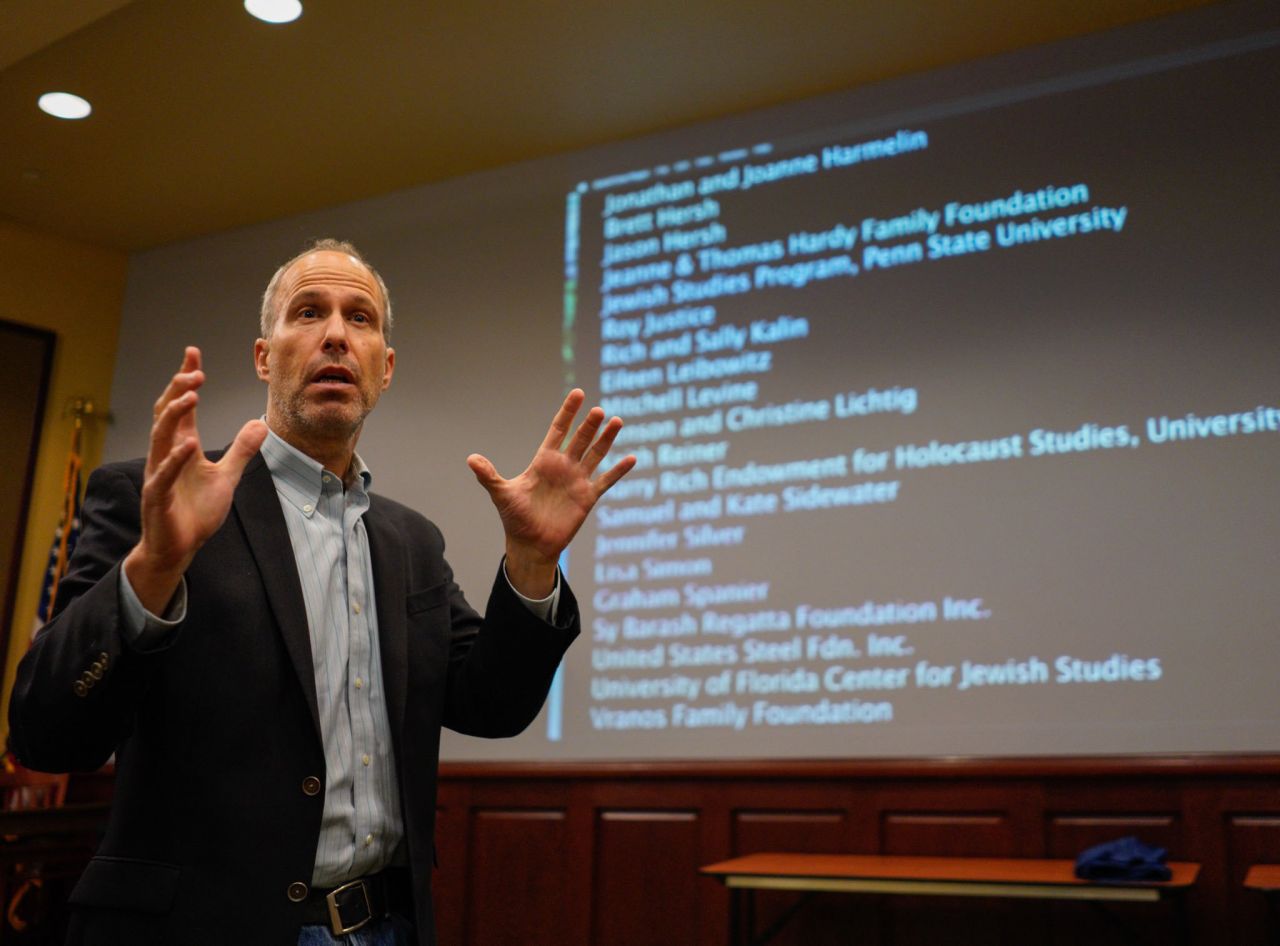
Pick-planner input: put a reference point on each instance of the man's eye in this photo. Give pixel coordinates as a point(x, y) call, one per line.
point(308, 314)
point(360, 317)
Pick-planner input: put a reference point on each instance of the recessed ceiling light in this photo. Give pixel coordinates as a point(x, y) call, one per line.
point(64, 105)
point(274, 11)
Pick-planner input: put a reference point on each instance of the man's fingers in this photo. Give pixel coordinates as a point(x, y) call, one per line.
point(162, 431)
point(188, 378)
point(242, 449)
point(178, 385)
point(560, 424)
point(614, 473)
point(600, 449)
point(585, 433)
point(166, 472)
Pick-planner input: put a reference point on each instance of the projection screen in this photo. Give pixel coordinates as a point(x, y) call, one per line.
point(954, 399)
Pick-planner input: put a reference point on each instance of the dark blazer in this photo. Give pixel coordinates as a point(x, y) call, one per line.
point(216, 733)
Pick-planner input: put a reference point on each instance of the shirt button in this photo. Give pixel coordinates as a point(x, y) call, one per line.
point(308, 507)
point(311, 785)
point(365, 758)
point(368, 839)
point(356, 607)
point(327, 478)
point(297, 891)
point(359, 683)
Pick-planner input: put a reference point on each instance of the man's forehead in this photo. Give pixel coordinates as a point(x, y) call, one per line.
point(329, 268)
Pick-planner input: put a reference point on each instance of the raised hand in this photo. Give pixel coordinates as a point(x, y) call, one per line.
point(543, 508)
point(185, 497)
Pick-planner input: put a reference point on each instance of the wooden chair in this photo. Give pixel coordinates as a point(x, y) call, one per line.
point(23, 790)
point(22, 883)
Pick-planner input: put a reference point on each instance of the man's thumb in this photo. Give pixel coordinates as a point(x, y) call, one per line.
point(486, 474)
point(242, 449)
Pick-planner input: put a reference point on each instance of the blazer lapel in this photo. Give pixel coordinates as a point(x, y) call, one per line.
point(258, 508)
point(386, 552)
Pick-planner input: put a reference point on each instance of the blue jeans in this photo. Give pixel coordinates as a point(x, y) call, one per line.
point(392, 931)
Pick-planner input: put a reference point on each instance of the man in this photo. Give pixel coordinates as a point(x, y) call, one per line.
point(270, 650)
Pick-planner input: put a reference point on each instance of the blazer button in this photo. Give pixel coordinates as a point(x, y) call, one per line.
point(79, 688)
point(311, 786)
point(297, 891)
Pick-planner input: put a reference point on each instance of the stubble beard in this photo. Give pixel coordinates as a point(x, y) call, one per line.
point(331, 421)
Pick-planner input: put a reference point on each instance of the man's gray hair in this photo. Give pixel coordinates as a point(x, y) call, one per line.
point(270, 304)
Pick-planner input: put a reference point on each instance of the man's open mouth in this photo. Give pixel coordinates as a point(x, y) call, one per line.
point(334, 376)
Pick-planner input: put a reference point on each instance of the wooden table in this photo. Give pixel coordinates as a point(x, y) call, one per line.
point(1265, 878)
point(926, 876)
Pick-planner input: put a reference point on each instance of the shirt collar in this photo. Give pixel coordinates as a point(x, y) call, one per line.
point(299, 478)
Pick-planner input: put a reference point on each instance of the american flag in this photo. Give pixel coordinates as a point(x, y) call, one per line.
point(64, 537)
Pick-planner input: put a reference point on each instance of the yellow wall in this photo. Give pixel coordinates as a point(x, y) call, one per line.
point(77, 291)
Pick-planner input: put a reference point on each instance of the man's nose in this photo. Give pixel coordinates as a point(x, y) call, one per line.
point(335, 333)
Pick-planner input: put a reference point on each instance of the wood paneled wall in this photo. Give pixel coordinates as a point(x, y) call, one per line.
point(608, 854)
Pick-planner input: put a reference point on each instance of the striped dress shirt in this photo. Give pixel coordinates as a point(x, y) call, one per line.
point(361, 825)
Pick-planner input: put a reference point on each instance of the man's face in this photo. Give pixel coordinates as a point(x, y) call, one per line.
point(327, 361)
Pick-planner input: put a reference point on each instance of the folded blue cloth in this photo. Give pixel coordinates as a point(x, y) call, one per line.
point(1123, 859)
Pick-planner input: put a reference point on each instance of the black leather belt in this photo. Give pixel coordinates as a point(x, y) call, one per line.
point(347, 908)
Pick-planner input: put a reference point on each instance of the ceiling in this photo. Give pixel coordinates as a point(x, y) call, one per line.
point(207, 119)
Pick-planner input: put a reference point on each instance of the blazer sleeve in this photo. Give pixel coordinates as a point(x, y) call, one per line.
point(500, 672)
point(78, 689)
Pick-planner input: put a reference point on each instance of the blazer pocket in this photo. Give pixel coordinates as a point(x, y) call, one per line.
point(126, 884)
point(433, 597)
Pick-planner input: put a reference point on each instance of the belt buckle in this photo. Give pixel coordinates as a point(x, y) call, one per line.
point(336, 920)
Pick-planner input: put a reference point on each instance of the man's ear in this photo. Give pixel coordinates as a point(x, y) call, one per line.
point(261, 359)
point(390, 369)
